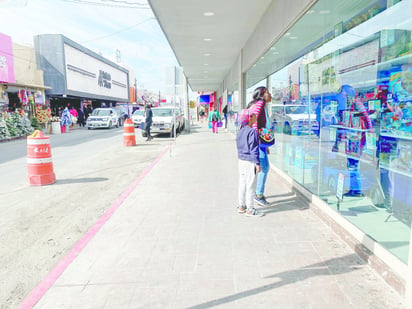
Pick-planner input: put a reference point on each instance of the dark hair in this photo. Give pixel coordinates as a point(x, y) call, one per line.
point(259, 93)
point(348, 90)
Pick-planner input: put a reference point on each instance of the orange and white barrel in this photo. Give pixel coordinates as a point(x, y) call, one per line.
point(39, 161)
point(129, 138)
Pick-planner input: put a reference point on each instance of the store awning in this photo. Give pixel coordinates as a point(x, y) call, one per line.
point(18, 85)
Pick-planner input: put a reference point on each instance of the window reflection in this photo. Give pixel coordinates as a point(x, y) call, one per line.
point(345, 107)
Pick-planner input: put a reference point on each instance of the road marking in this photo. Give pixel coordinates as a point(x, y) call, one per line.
point(38, 292)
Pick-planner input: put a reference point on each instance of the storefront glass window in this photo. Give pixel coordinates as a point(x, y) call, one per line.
point(342, 109)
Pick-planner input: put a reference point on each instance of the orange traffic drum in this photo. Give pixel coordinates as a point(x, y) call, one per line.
point(39, 161)
point(129, 138)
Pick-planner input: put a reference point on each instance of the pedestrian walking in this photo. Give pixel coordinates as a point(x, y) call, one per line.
point(74, 114)
point(214, 118)
point(261, 97)
point(66, 119)
point(80, 119)
point(247, 143)
point(87, 111)
point(202, 115)
point(224, 111)
point(148, 121)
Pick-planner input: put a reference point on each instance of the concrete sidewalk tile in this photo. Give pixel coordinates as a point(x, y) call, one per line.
point(127, 270)
point(185, 263)
point(159, 297)
point(120, 296)
point(202, 293)
point(60, 297)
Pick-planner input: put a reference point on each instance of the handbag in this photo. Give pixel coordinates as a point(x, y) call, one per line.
point(209, 125)
point(220, 124)
point(214, 118)
point(266, 134)
point(141, 126)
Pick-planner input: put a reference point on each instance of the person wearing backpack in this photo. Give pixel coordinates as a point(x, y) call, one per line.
point(261, 97)
point(247, 143)
point(214, 118)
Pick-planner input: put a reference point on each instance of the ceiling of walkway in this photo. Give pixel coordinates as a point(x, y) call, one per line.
point(206, 36)
point(207, 45)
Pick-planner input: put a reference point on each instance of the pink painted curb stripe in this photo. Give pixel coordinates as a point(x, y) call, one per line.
point(31, 300)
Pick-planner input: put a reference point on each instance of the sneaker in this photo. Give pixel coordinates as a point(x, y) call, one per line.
point(241, 209)
point(254, 213)
point(261, 201)
point(380, 206)
point(352, 193)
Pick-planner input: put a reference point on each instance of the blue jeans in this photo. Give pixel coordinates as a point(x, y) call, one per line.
point(264, 165)
point(387, 186)
point(355, 182)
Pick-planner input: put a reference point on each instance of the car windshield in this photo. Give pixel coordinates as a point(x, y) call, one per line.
point(300, 109)
point(138, 112)
point(277, 109)
point(162, 112)
point(101, 112)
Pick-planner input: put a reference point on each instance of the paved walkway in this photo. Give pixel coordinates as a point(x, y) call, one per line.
point(175, 240)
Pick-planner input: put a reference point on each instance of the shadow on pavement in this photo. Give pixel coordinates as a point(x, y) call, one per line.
point(80, 180)
point(335, 266)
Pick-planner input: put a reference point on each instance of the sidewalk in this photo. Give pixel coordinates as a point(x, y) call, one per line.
point(176, 241)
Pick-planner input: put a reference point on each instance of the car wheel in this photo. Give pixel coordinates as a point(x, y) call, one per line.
point(144, 134)
point(287, 129)
point(110, 125)
point(172, 132)
point(117, 124)
point(88, 128)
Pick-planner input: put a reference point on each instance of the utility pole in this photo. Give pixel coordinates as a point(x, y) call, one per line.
point(135, 90)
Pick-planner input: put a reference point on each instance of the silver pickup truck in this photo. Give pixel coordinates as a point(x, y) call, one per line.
point(163, 121)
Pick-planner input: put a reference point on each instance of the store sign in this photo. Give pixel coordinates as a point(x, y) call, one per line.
point(87, 74)
point(104, 80)
point(6, 59)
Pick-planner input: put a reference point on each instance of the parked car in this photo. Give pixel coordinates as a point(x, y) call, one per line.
point(294, 118)
point(122, 115)
point(103, 118)
point(138, 117)
point(163, 121)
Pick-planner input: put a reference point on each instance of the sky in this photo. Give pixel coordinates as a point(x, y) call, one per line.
point(102, 26)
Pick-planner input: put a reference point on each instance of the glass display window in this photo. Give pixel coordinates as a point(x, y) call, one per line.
point(353, 86)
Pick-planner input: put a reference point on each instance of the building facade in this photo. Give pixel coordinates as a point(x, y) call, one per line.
point(77, 75)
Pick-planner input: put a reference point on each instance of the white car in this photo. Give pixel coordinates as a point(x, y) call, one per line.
point(138, 117)
point(163, 122)
point(294, 118)
point(103, 118)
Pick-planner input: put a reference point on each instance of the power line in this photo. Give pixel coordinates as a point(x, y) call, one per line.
point(119, 31)
point(125, 2)
point(113, 3)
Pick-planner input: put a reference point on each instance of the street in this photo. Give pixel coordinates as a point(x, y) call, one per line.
point(39, 225)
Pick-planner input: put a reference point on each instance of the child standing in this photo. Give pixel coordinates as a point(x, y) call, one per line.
point(247, 143)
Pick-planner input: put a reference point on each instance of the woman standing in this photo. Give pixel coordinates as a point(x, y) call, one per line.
point(261, 97)
point(214, 118)
point(75, 115)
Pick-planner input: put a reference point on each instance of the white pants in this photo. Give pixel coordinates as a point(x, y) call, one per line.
point(247, 183)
